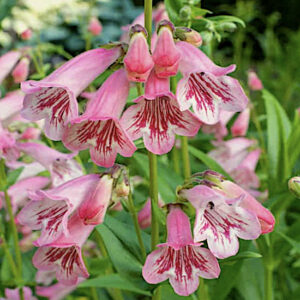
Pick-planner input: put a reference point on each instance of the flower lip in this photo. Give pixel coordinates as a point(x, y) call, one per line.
point(165, 23)
point(137, 28)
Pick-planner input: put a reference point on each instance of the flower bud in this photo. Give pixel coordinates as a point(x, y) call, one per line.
point(26, 34)
point(95, 27)
point(254, 82)
point(294, 186)
point(21, 71)
point(138, 61)
point(185, 13)
point(188, 35)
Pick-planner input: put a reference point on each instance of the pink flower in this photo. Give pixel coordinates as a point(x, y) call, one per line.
point(26, 34)
point(61, 166)
point(7, 62)
point(54, 97)
point(221, 221)
point(49, 210)
point(31, 133)
point(248, 202)
point(21, 71)
point(254, 82)
point(165, 55)
point(11, 104)
point(138, 61)
point(92, 210)
point(57, 291)
point(8, 148)
point(64, 254)
point(144, 215)
point(206, 87)
point(99, 128)
point(157, 118)
point(180, 259)
point(95, 27)
point(240, 126)
point(13, 294)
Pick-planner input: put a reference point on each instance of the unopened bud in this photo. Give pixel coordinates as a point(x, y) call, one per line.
point(213, 176)
point(188, 35)
point(206, 37)
point(94, 27)
point(294, 186)
point(26, 34)
point(185, 13)
point(227, 26)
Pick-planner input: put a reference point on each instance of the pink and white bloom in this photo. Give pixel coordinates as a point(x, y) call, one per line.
point(14, 294)
point(254, 82)
point(157, 118)
point(138, 61)
point(206, 87)
point(165, 55)
point(61, 166)
point(57, 291)
point(221, 220)
point(180, 259)
point(241, 124)
point(95, 27)
point(54, 97)
point(26, 34)
point(92, 210)
point(7, 62)
point(21, 70)
point(99, 128)
point(11, 105)
point(265, 217)
point(49, 210)
point(64, 254)
point(8, 148)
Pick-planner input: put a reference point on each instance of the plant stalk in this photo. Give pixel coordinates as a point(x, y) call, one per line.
point(185, 158)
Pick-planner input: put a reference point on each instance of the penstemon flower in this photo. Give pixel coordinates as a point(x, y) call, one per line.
point(99, 128)
point(180, 259)
point(7, 62)
point(157, 118)
point(21, 70)
point(10, 105)
point(206, 87)
point(54, 97)
point(221, 220)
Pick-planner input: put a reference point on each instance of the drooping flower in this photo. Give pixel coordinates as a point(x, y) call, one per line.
point(206, 87)
point(61, 166)
point(165, 55)
point(7, 62)
point(94, 27)
point(14, 294)
point(49, 210)
point(240, 126)
point(99, 128)
point(221, 220)
point(265, 217)
point(64, 254)
point(92, 210)
point(180, 259)
point(54, 97)
point(254, 82)
point(157, 118)
point(138, 61)
point(21, 70)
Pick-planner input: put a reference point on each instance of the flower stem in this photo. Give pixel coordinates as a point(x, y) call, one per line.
point(148, 19)
point(136, 225)
point(268, 278)
point(185, 157)
point(175, 160)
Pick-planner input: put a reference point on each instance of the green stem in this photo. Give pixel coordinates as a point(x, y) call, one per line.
point(202, 290)
point(154, 199)
point(136, 226)
point(78, 159)
point(185, 157)
point(21, 294)
point(268, 278)
point(148, 19)
point(175, 159)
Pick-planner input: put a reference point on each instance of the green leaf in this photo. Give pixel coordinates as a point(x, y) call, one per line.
point(199, 12)
point(295, 244)
point(208, 161)
point(293, 140)
point(242, 255)
point(113, 281)
point(278, 130)
point(13, 176)
point(226, 19)
point(173, 8)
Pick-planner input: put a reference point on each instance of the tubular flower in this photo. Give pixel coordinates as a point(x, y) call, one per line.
point(54, 97)
point(206, 87)
point(8, 148)
point(7, 62)
point(11, 104)
point(157, 118)
point(265, 217)
point(92, 210)
point(49, 210)
point(64, 254)
point(21, 71)
point(61, 166)
point(254, 82)
point(14, 294)
point(240, 126)
point(99, 128)
point(138, 61)
point(180, 259)
point(165, 55)
point(221, 221)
